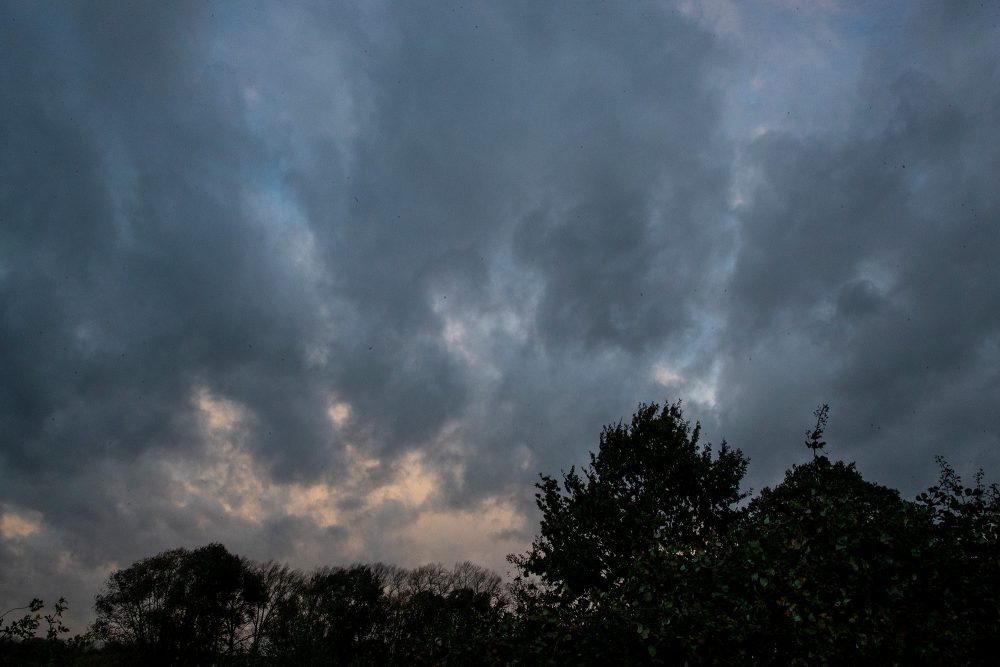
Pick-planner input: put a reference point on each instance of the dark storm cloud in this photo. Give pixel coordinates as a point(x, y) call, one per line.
point(866, 276)
point(131, 272)
point(281, 208)
point(578, 148)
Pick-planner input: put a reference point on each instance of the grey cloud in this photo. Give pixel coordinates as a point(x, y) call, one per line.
point(864, 279)
point(192, 204)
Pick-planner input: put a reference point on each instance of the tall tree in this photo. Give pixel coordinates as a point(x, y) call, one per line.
point(336, 616)
point(650, 486)
point(279, 586)
point(134, 608)
point(179, 606)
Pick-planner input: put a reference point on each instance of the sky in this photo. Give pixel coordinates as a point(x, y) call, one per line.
point(333, 282)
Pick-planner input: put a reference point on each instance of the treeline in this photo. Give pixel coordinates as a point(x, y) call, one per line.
point(209, 606)
point(651, 554)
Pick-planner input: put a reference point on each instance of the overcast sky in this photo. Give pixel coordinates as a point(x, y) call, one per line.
point(333, 282)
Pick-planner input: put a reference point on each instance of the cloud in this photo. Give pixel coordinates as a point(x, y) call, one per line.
point(861, 278)
point(16, 526)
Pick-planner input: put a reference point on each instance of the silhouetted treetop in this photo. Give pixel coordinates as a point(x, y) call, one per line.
point(650, 485)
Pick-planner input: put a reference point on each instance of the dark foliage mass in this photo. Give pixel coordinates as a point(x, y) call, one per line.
point(653, 554)
point(648, 484)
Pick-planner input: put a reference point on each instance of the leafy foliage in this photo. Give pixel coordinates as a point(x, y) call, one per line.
point(825, 568)
point(333, 616)
point(650, 486)
point(19, 643)
point(26, 626)
point(180, 604)
point(963, 563)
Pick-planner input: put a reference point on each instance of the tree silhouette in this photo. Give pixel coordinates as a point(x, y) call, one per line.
point(814, 442)
point(179, 606)
point(650, 486)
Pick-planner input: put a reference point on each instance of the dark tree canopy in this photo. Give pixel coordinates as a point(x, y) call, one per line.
point(208, 606)
point(662, 567)
point(191, 604)
point(649, 486)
